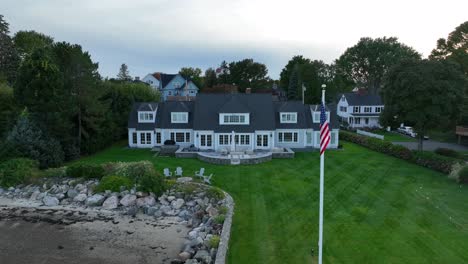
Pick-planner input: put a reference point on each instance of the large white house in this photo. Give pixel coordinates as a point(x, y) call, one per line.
point(171, 85)
point(359, 110)
point(229, 122)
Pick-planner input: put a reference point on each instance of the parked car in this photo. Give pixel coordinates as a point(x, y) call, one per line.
point(407, 130)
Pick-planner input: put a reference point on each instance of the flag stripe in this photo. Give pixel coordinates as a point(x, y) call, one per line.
point(324, 130)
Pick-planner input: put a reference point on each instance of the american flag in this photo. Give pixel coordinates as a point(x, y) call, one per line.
point(324, 129)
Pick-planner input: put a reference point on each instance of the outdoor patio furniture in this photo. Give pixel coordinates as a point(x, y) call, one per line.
point(200, 173)
point(207, 179)
point(167, 173)
point(178, 172)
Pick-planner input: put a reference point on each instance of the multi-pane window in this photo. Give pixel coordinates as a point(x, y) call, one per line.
point(234, 119)
point(288, 137)
point(142, 138)
point(366, 120)
point(333, 137)
point(367, 109)
point(145, 116)
point(242, 139)
point(309, 138)
point(357, 120)
point(262, 140)
point(148, 138)
point(206, 140)
point(180, 137)
point(288, 117)
point(357, 109)
point(224, 139)
point(378, 109)
point(179, 117)
point(343, 109)
point(145, 138)
point(158, 137)
point(134, 138)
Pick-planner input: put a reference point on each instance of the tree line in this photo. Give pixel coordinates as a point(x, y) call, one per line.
point(54, 105)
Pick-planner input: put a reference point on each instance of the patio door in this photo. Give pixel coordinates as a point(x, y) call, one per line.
point(206, 141)
point(262, 141)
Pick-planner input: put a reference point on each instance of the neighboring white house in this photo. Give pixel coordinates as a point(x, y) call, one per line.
point(171, 85)
point(153, 79)
point(232, 122)
point(359, 110)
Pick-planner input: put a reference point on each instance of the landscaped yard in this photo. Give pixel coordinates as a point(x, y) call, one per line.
point(378, 209)
point(394, 136)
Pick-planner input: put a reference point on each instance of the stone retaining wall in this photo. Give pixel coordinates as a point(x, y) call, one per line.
point(226, 233)
point(284, 155)
point(213, 160)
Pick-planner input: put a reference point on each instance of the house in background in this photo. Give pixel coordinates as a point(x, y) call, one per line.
point(229, 122)
point(359, 109)
point(171, 85)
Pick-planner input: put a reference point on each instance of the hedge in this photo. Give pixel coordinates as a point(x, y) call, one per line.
point(17, 171)
point(426, 159)
point(87, 171)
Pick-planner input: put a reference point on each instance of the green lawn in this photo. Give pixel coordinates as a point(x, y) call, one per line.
point(378, 209)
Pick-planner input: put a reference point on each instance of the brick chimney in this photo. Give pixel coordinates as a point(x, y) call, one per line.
point(248, 90)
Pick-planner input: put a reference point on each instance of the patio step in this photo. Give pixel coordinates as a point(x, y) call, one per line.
point(235, 160)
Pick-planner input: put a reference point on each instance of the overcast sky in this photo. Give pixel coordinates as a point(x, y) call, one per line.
point(165, 35)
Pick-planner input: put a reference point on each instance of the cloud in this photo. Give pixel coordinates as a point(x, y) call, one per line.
point(164, 35)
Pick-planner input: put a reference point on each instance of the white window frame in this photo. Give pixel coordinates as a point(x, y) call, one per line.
point(343, 109)
point(316, 116)
point(333, 137)
point(146, 116)
point(185, 136)
point(242, 139)
point(224, 139)
point(176, 117)
point(226, 119)
point(358, 108)
point(378, 109)
point(294, 135)
point(146, 138)
point(367, 109)
point(288, 117)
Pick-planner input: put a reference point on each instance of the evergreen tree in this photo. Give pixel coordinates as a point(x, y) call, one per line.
point(294, 84)
point(124, 74)
point(9, 59)
point(210, 78)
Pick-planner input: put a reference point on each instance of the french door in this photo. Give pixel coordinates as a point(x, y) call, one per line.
point(262, 141)
point(206, 141)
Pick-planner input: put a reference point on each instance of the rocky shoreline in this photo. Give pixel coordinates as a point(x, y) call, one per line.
point(200, 209)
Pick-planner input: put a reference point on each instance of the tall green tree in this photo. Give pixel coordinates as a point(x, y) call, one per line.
point(424, 94)
point(210, 78)
point(8, 108)
point(367, 62)
point(224, 76)
point(454, 48)
point(124, 73)
point(193, 74)
point(249, 74)
point(28, 41)
point(294, 84)
point(9, 59)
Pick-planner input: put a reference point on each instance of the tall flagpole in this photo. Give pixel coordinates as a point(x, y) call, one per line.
point(322, 165)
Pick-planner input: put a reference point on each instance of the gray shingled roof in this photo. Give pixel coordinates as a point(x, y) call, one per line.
point(362, 99)
point(208, 107)
point(204, 113)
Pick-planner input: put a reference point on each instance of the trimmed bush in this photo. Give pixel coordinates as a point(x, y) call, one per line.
point(463, 175)
point(447, 152)
point(87, 171)
point(55, 172)
point(425, 159)
point(114, 183)
point(151, 182)
point(169, 142)
point(131, 170)
point(17, 171)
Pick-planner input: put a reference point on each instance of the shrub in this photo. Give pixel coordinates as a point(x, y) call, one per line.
point(214, 241)
point(55, 172)
point(215, 193)
point(223, 210)
point(169, 142)
point(219, 219)
point(113, 183)
point(17, 171)
point(88, 171)
point(151, 182)
point(447, 152)
point(132, 170)
point(425, 159)
point(463, 175)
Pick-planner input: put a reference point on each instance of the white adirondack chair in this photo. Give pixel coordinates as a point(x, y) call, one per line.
point(207, 179)
point(167, 173)
point(200, 173)
point(178, 172)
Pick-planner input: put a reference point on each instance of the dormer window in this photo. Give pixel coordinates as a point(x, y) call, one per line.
point(234, 119)
point(316, 117)
point(146, 117)
point(288, 117)
point(179, 117)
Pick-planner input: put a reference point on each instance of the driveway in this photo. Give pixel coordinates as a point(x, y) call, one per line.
point(432, 145)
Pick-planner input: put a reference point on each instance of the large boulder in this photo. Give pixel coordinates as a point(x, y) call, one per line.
point(50, 201)
point(184, 256)
point(95, 200)
point(178, 203)
point(128, 200)
point(80, 198)
point(203, 256)
point(72, 193)
point(34, 195)
point(111, 202)
point(145, 201)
